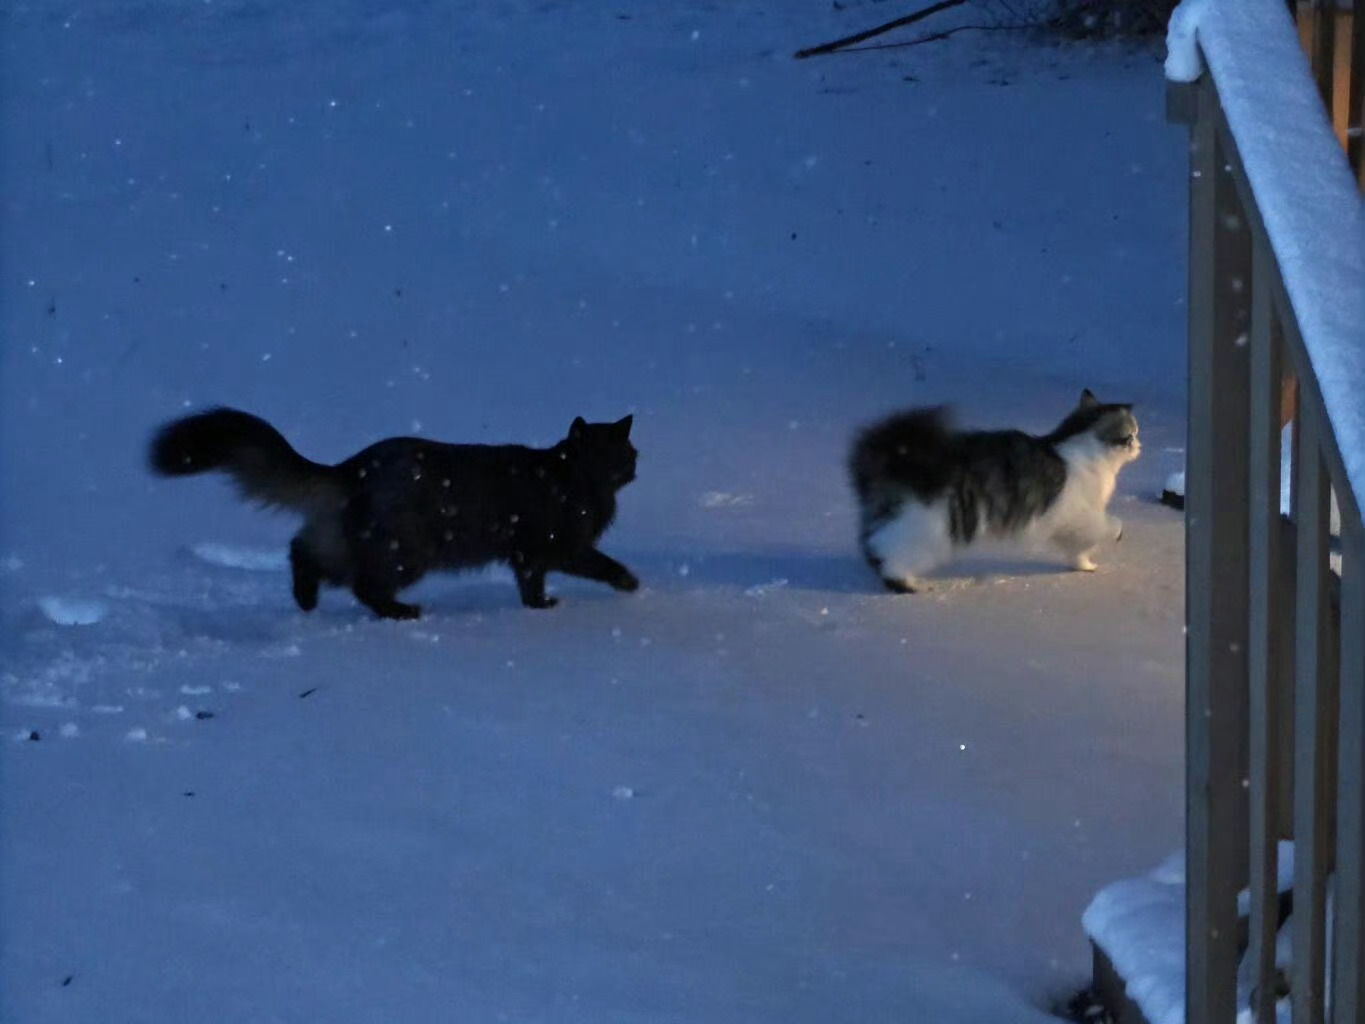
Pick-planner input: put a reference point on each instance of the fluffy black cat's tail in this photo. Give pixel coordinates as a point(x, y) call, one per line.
point(262, 464)
point(909, 448)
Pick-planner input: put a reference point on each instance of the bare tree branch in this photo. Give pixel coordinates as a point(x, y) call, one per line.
point(934, 37)
point(858, 37)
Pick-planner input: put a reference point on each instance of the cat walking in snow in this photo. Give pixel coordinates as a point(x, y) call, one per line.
point(383, 518)
point(926, 490)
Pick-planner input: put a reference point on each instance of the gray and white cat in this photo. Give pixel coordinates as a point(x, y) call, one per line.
point(926, 490)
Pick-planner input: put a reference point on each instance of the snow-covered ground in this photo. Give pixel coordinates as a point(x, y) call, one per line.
point(757, 790)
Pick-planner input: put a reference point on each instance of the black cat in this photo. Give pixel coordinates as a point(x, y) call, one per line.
point(387, 515)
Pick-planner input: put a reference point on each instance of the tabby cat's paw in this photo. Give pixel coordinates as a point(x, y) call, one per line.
point(1083, 563)
point(1116, 528)
point(899, 586)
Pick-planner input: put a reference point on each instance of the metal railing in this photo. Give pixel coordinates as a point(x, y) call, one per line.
point(1275, 659)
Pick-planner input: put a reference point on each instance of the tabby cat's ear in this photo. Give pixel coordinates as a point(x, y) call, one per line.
point(577, 428)
point(1088, 400)
point(623, 425)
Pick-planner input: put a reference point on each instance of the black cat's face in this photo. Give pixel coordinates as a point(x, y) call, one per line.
point(606, 449)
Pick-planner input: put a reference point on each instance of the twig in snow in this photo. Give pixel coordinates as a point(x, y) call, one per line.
point(934, 37)
point(858, 37)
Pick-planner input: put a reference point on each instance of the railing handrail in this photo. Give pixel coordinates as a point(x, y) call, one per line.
point(1272, 108)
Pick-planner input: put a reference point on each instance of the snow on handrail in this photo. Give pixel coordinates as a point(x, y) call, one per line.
point(1312, 210)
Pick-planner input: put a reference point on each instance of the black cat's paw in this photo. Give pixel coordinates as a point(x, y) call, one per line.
point(626, 581)
point(542, 602)
point(399, 611)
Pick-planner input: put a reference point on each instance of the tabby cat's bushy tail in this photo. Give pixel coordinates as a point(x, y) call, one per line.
point(909, 445)
point(263, 465)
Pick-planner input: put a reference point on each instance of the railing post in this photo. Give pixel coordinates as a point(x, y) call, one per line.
point(1267, 591)
point(1313, 713)
point(1348, 954)
point(1216, 603)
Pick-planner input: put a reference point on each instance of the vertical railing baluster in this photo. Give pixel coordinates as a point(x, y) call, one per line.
point(1322, 47)
point(1311, 709)
point(1355, 93)
point(1266, 603)
point(1216, 517)
point(1348, 953)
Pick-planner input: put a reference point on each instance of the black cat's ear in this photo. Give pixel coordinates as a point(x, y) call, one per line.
point(1088, 400)
point(623, 425)
point(577, 428)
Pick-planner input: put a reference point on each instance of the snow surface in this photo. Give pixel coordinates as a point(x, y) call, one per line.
point(1312, 208)
point(72, 611)
point(476, 221)
point(235, 556)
